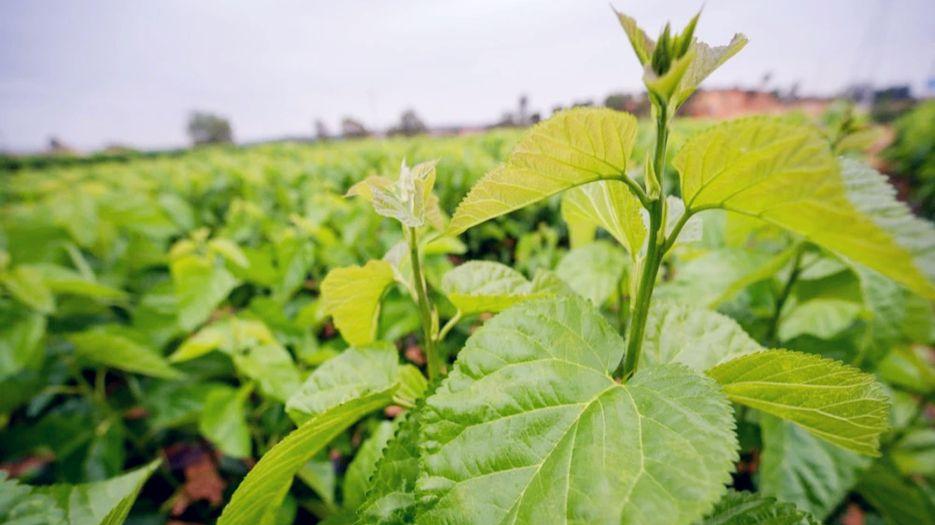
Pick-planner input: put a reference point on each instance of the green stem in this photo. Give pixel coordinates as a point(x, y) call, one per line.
point(784, 296)
point(448, 326)
point(621, 306)
point(655, 249)
point(425, 312)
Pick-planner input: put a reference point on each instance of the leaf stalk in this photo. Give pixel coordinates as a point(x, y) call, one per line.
point(435, 367)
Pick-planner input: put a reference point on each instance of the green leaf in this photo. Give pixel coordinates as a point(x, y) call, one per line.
point(486, 286)
point(572, 148)
point(273, 369)
point(99, 503)
point(822, 318)
point(200, 286)
point(693, 336)
point(713, 277)
point(833, 401)
point(745, 508)
point(530, 427)
point(64, 280)
point(352, 296)
point(785, 173)
point(318, 473)
point(357, 477)
point(802, 469)
point(392, 496)
point(23, 505)
point(350, 375)
point(610, 205)
point(408, 199)
point(21, 333)
point(263, 489)
point(25, 283)
point(901, 500)
point(593, 271)
point(223, 420)
point(113, 346)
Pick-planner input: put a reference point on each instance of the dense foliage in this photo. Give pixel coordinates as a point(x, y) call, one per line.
point(692, 323)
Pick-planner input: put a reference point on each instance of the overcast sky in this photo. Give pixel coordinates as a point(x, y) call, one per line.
point(122, 71)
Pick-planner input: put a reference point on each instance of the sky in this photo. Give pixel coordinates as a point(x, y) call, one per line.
point(129, 72)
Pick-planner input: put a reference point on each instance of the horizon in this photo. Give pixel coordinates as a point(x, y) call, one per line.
point(131, 75)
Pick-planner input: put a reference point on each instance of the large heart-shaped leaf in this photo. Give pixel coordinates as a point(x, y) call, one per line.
point(572, 148)
point(352, 296)
point(833, 401)
point(530, 427)
point(786, 174)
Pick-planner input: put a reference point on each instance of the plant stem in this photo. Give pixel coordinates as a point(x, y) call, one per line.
point(425, 312)
point(655, 249)
point(448, 326)
point(621, 307)
point(784, 296)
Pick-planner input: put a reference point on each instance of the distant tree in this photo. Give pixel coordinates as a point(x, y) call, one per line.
point(352, 128)
point(409, 124)
point(637, 105)
point(207, 128)
point(57, 147)
point(321, 130)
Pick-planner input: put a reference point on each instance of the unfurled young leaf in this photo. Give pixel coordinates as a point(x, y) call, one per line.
point(115, 346)
point(785, 173)
point(352, 296)
point(674, 66)
point(334, 397)
point(530, 427)
point(745, 508)
point(833, 401)
point(485, 286)
point(593, 271)
point(572, 148)
point(797, 467)
point(407, 199)
point(693, 336)
point(610, 205)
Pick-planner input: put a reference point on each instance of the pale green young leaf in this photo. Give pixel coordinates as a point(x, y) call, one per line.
point(114, 346)
point(530, 427)
point(642, 44)
point(594, 270)
point(572, 148)
point(797, 467)
point(700, 338)
point(272, 367)
point(223, 420)
point(260, 494)
point(712, 278)
point(358, 474)
point(610, 205)
point(745, 508)
point(833, 401)
point(486, 286)
point(408, 199)
point(705, 59)
point(785, 173)
point(101, 502)
point(352, 296)
point(200, 286)
point(25, 283)
point(350, 375)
